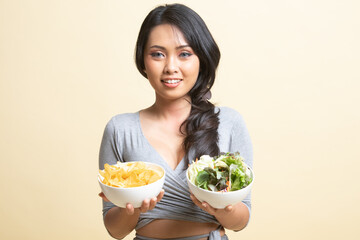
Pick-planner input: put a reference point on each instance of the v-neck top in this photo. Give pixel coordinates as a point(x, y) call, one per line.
point(123, 140)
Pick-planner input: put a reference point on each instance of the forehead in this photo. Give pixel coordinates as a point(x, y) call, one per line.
point(166, 35)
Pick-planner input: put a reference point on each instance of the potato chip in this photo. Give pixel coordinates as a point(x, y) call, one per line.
point(132, 174)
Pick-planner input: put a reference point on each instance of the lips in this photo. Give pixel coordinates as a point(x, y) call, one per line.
point(172, 83)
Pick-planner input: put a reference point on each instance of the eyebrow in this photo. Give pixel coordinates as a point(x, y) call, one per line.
point(163, 48)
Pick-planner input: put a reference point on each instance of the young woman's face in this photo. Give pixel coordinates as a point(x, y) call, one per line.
point(171, 66)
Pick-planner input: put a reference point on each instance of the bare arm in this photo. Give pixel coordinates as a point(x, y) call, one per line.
point(121, 221)
point(233, 217)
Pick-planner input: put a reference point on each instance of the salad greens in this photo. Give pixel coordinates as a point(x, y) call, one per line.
point(223, 173)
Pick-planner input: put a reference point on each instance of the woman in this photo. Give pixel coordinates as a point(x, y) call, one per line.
point(177, 54)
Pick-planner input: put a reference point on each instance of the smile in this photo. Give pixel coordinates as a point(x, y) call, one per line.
point(171, 81)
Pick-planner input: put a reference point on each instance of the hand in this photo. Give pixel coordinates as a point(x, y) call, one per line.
point(145, 206)
point(213, 211)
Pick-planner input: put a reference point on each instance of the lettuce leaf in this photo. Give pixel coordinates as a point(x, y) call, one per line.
point(226, 172)
point(210, 176)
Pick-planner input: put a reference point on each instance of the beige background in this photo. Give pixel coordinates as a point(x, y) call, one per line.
point(291, 68)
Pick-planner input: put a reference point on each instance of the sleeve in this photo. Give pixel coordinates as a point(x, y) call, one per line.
point(109, 153)
point(109, 150)
point(241, 142)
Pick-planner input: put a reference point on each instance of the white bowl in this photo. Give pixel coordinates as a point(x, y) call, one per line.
point(220, 199)
point(135, 195)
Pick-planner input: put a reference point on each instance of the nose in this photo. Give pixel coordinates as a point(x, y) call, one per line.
point(171, 66)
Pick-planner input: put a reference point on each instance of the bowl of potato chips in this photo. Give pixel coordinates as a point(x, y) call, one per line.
point(131, 182)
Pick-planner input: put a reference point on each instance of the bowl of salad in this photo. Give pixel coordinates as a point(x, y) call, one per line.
point(220, 181)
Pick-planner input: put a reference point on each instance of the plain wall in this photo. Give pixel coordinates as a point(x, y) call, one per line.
point(291, 68)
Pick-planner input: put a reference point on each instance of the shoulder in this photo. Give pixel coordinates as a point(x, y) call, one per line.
point(125, 117)
point(227, 114)
point(231, 120)
point(121, 121)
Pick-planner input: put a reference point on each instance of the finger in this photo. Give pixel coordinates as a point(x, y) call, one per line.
point(208, 208)
point(161, 194)
point(195, 200)
point(229, 208)
point(129, 209)
point(203, 205)
point(102, 195)
point(145, 205)
point(153, 202)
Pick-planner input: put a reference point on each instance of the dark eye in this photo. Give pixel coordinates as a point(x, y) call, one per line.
point(157, 54)
point(185, 54)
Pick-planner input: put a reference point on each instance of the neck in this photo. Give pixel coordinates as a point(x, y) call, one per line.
point(176, 110)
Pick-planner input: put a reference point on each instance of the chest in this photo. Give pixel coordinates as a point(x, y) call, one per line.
point(167, 141)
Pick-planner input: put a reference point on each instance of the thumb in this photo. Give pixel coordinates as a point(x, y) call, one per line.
point(102, 195)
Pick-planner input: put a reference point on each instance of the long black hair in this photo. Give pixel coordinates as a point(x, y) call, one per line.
point(201, 126)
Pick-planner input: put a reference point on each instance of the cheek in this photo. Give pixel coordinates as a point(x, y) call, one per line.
point(192, 69)
point(151, 67)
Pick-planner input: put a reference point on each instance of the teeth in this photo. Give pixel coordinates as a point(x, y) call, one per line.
point(171, 81)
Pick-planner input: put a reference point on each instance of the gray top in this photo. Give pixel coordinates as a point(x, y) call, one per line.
point(124, 141)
